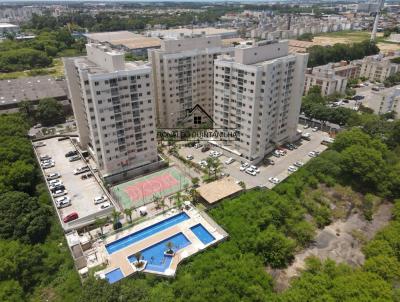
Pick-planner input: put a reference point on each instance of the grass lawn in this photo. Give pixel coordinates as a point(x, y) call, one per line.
point(56, 70)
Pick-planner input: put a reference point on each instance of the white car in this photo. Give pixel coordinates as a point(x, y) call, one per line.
point(273, 180)
point(312, 154)
point(251, 171)
point(63, 202)
point(105, 205)
point(229, 161)
point(100, 199)
point(81, 170)
point(292, 169)
point(48, 165)
point(203, 163)
point(298, 164)
point(198, 146)
point(53, 176)
point(59, 193)
point(276, 153)
point(189, 157)
point(315, 129)
point(55, 182)
point(257, 170)
point(306, 126)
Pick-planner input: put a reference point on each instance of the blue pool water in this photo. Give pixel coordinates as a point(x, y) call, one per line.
point(146, 232)
point(114, 276)
point(202, 233)
point(154, 255)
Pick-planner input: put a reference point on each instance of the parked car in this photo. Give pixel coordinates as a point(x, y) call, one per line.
point(229, 161)
point(71, 153)
point(312, 154)
point(257, 170)
point(63, 202)
point(100, 199)
point(306, 126)
point(298, 164)
point(198, 145)
point(74, 158)
point(44, 157)
point(59, 193)
point(244, 166)
point(251, 171)
point(54, 175)
point(273, 180)
point(81, 170)
point(270, 161)
point(315, 129)
point(70, 217)
point(189, 157)
point(205, 148)
point(48, 165)
point(105, 205)
point(55, 182)
point(292, 169)
point(276, 153)
point(56, 188)
point(202, 163)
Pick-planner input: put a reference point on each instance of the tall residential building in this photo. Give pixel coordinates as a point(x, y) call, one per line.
point(114, 110)
point(258, 92)
point(183, 78)
point(325, 77)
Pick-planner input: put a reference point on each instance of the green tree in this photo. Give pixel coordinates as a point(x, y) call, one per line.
point(128, 213)
point(50, 112)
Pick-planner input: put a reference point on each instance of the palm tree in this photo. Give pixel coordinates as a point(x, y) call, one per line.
point(115, 215)
point(178, 198)
point(139, 262)
point(242, 184)
point(194, 195)
point(195, 181)
point(100, 222)
point(157, 201)
point(170, 245)
point(128, 213)
point(162, 203)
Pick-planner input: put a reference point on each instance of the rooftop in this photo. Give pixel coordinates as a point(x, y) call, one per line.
point(7, 25)
point(125, 38)
point(31, 89)
point(208, 31)
point(217, 190)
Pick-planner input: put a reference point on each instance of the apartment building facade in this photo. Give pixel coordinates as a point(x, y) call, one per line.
point(183, 78)
point(325, 77)
point(378, 67)
point(114, 110)
point(258, 92)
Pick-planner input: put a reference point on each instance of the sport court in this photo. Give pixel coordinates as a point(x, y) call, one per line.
point(140, 191)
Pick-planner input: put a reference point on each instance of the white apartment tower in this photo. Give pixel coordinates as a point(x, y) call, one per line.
point(114, 109)
point(258, 92)
point(183, 77)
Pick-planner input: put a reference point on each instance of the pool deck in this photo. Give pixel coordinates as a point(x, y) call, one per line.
point(119, 259)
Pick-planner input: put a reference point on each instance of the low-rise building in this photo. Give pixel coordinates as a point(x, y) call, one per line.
point(326, 78)
point(8, 28)
point(378, 67)
point(32, 89)
point(125, 40)
point(175, 33)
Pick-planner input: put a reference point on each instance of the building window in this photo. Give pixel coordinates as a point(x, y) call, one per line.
point(197, 120)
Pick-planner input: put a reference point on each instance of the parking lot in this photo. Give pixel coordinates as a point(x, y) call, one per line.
point(279, 170)
point(81, 191)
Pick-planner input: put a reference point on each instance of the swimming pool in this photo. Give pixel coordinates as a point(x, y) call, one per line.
point(114, 276)
point(201, 232)
point(154, 255)
point(146, 232)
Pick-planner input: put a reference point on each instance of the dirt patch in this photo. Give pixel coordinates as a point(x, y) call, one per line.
point(340, 241)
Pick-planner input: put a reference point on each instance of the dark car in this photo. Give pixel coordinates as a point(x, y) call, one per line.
point(56, 188)
point(71, 153)
point(205, 148)
point(70, 217)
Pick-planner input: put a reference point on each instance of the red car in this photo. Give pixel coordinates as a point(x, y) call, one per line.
point(70, 217)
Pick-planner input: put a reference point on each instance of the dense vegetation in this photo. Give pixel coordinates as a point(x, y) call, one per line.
point(34, 260)
point(38, 52)
point(392, 80)
point(321, 55)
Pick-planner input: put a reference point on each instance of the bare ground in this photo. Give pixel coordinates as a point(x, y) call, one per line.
point(340, 241)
